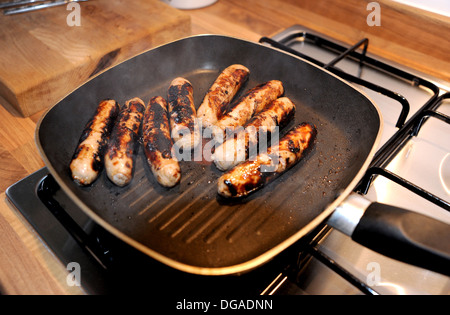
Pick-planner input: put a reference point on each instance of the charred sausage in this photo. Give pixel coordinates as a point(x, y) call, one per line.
point(182, 114)
point(221, 93)
point(123, 143)
point(250, 176)
point(87, 160)
point(158, 143)
point(252, 102)
point(236, 149)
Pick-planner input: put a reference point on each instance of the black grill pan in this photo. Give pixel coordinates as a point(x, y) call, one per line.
point(190, 227)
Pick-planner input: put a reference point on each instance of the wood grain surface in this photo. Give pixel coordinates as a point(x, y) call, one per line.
point(43, 57)
point(408, 36)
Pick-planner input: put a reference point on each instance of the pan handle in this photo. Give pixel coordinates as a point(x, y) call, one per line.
point(395, 232)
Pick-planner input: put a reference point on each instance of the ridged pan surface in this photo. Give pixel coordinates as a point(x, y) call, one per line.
point(191, 227)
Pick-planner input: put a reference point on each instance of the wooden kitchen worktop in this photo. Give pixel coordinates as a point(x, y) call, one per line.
point(408, 36)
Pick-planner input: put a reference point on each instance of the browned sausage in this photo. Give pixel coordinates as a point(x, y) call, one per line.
point(87, 160)
point(252, 102)
point(158, 143)
point(182, 114)
point(236, 149)
point(221, 93)
point(123, 143)
point(250, 176)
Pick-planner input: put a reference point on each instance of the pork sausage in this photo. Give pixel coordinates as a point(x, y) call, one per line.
point(252, 102)
point(221, 93)
point(123, 143)
point(87, 161)
point(250, 176)
point(158, 143)
point(182, 114)
point(237, 149)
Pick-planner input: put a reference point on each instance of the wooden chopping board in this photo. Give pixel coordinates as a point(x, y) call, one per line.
point(43, 58)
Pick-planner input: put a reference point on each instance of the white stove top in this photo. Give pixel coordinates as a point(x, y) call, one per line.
point(424, 161)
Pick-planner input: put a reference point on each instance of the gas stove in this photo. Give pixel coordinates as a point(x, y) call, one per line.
point(411, 170)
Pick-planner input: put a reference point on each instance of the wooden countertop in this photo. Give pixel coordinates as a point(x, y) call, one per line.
point(406, 35)
point(50, 56)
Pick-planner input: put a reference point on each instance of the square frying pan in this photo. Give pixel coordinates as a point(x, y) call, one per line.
point(190, 227)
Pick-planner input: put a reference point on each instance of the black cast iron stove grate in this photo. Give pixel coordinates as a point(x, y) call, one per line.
point(406, 130)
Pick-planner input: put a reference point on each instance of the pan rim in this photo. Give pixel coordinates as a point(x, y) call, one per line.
point(253, 262)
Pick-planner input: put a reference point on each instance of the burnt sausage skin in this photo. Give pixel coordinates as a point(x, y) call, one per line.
point(158, 143)
point(87, 160)
point(221, 93)
point(182, 114)
point(251, 103)
point(250, 176)
point(123, 143)
point(236, 149)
